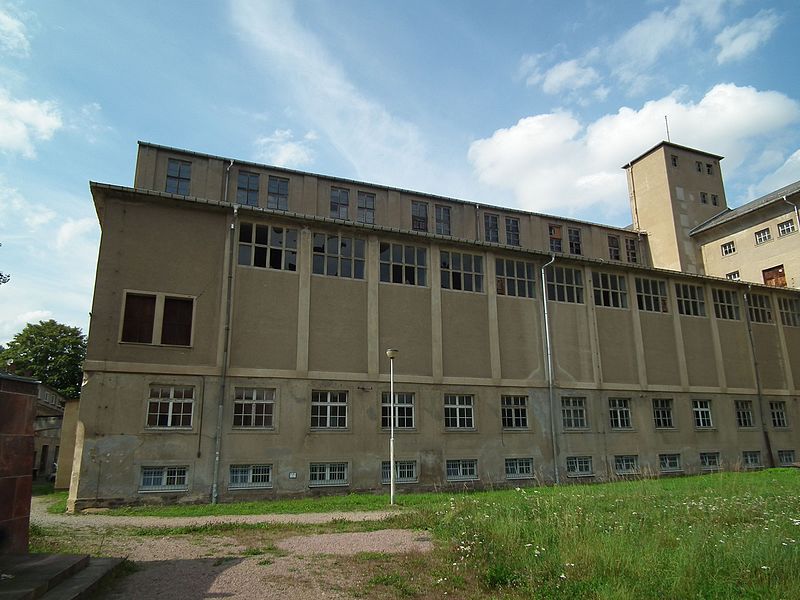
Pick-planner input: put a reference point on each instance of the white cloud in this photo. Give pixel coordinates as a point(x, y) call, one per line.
point(24, 121)
point(15, 208)
point(281, 149)
point(72, 229)
point(88, 121)
point(739, 40)
point(12, 324)
point(554, 163)
point(788, 172)
point(13, 36)
point(569, 75)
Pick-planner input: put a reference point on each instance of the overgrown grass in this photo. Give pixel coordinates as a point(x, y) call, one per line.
point(56, 500)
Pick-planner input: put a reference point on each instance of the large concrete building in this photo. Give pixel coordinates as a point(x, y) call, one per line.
point(242, 313)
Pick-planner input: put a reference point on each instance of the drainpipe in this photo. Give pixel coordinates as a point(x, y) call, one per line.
point(767, 442)
point(796, 215)
point(550, 369)
point(225, 346)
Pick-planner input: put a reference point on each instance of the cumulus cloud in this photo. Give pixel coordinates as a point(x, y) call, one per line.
point(72, 229)
point(281, 149)
point(13, 35)
point(22, 122)
point(742, 39)
point(11, 324)
point(555, 163)
point(788, 172)
point(15, 208)
point(568, 75)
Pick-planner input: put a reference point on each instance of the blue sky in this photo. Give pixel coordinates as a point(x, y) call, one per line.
point(534, 105)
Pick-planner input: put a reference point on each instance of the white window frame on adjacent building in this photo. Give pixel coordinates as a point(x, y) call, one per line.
point(253, 408)
point(579, 466)
point(651, 295)
point(691, 300)
point(777, 411)
point(751, 459)
point(404, 417)
point(626, 464)
point(519, 468)
point(619, 413)
point(786, 227)
point(167, 407)
point(744, 413)
point(461, 469)
point(329, 409)
point(662, 413)
point(514, 412)
point(573, 413)
point(786, 458)
point(710, 461)
point(405, 471)
point(701, 411)
point(328, 474)
point(762, 236)
point(564, 284)
point(726, 304)
point(459, 411)
point(610, 290)
point(733, 276)
point(728, 248)
point(669, 462)
point(164, 478)
point(515, 278)
point(242, 477)
point(461, 271)
point(402, 264)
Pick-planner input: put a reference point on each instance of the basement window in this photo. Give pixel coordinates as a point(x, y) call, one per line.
point(164, 479)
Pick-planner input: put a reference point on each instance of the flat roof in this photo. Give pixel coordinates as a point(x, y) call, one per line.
point(671, 145)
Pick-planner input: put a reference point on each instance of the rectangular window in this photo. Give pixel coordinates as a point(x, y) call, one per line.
point(703, 198)
point(619, 412)
point(340, 203)
point(170, 407)
point(163, 479)
point(631, 250)
point(462, 469)
point(403, 410)
point(790, 311)
point(491, 227)
point(267, 247)
point(574, 236)
point(733, 276)
point(442, 219)
point(419, 216)
point(763, 235)
point(610, 290)
point(744, 413)
point(714, 199)
point(247, 188)
point(555, 238)
point(674, 160)
point(699, 166)
point(709, 170)
point(176, 328)
point(250, 476)
point(573, 412)
point(614, 248)
point(726, 304)
point(278, 193)
point(691, 300)
point(137, 323)
point(179, 175)
point(579, 466)
point(458, 411)
point(564, 285)
point(662, 413)
point(774, 276)
point(512, 231)
point(669, 462)
point(366, 208)
point(626, 464)
point(786, 227)
point(728, 248)
point(253, 408)
point(519, 468)
point(786, 458)
point(338, 256)
point(322, 474)
point(709, 461)
point(329, 410)
point(403, 264)
point(751, 459)
point(651, 295)
point(514, 412)
point(461, 271)
point(778, 412)
point(702, 414)
point(405, 471)
point(515, 278)
point(759, 308)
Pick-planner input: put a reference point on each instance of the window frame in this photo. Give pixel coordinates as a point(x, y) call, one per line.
point(777, 413)
point(326, 469)
point(701, 413)
point(462, 469)
point(610, 290)
point(246, 193)
point(157, 328)
point(250, 475)
point(574, 464)
point(254, 397)
point(173, 410)
point(326, 414)
point(366, 207)
point(512, 231)
point(180, 180)
point(744, 414)
point(762, 236)
point(786, 227)
point(442, 216)
point(751, 459)
point(459, 412)
point(405, 403)
point(507, 283)
point(671, 457)
point(733, 276)
point(165, 476)
point(663, 413)
point(570, 289)
point(574, 416)
point(340, 203)
point(614, 247)
point(453, 271)
point(519, 468)
point(759, 308)
point(491, 227)
point(389, 262)
point(419, 221)
point(619, 414)
point(401, 471)
point(336, 262)
point(277, 199)
point(728, 248)
point(556, 235)
point(786, 458)
point(278, 244)
point(652, 295)
point(726, 304)
point(574, 237)
point(626, 464)
point(789, 309)
point(710, 461)
point(514, 412)
point(691, 300)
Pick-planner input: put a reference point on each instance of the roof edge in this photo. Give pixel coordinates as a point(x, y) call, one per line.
point(671, 145)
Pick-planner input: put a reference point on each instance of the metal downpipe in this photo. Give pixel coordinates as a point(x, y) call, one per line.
point(548, 344)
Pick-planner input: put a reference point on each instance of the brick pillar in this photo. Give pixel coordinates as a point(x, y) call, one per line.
point(17, 412)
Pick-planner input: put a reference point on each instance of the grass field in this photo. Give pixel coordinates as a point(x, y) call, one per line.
point(724, 535)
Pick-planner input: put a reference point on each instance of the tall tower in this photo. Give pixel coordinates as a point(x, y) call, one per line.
point(673, 189)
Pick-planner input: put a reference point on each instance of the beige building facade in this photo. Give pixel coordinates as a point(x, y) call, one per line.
point(242, 313)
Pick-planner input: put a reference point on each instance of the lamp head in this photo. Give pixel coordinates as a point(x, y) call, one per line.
point(392, 353)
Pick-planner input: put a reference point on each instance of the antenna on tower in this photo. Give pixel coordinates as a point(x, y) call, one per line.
point(666, 123)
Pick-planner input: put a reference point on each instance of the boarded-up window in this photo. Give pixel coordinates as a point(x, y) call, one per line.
point(177, 324)
point(137, 324)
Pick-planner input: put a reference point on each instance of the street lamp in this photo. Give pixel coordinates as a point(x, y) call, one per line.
point(391, 353)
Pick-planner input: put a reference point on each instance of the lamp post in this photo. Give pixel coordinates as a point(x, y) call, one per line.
point(391, 353)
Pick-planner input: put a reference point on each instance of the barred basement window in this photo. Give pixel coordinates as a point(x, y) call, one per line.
point(324, 474)
point(340, 203)
point(662, 413)
point(491, 229)
point(458, 411)
point(733, 276)
point(253, 408)
point(179, 176)
point(403, 264)
point(619, 410)
point(759, 308)
point(691, 300)
point(726, 304)
point(461, 271)
point(338, 256)
point(702, 414)
point(405, 471)
point(329, 410)
point(751, 459)
point(579, 466)
point(763, 235)
point(247, 188)
point(786, 227)
point(574, 236)
point(170, 407)
point(744, 413)
point(163, 479)
point(250, 476)
point(515, 278)
point(610, 290)
point(278, 193)
point(267, 247)
point(514, 412)
point(442, 220)
point(419, 216)
point(631, 250)
point(564, 285)
point(651, 295)
point(709, 461)
point(366, 208)
point(555, 238)
point(785, 458)
point(626, 464)
point(790, 311)
point(614, 248)
point(778, 412)
point(573, 412)
point(512, 231)
point(519, 468)
point(403, 410)
point(728, 248)
point(462, 469)
point(669, 462)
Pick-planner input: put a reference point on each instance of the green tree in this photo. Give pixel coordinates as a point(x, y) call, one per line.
point(51, 352)
point(4, 277)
